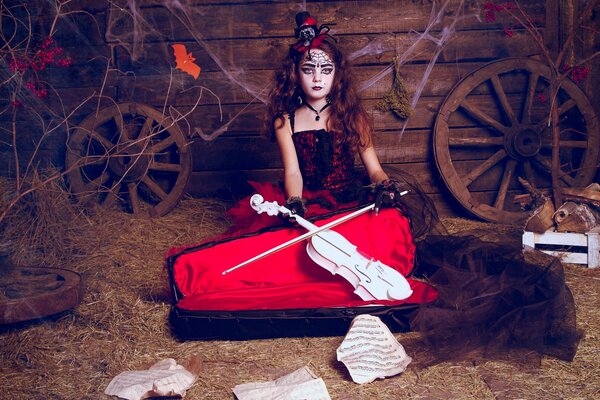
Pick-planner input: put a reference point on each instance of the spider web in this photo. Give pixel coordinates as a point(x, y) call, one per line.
point(440, 29)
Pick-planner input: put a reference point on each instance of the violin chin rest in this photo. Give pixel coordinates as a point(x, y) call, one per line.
point(400, 293)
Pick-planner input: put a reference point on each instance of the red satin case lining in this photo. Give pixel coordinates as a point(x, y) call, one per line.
point(289, 279)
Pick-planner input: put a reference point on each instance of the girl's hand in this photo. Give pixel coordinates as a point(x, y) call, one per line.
point(297, 206)
point(386, 194)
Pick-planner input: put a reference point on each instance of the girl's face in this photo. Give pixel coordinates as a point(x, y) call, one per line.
point(316, 74)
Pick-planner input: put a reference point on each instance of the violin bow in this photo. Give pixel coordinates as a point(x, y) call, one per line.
point(305, 236)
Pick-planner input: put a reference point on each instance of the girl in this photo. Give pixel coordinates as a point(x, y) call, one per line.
point(319, 122)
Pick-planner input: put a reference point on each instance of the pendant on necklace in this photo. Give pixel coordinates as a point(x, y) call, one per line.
point(318, 117)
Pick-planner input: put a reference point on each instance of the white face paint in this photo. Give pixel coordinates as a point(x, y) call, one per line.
point(316, 76)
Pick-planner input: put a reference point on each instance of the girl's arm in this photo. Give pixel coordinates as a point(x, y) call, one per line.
point(291, 167)
point(372, 165)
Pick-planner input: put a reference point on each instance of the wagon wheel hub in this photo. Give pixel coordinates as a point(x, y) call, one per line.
point(129, 164)
point(522, 142)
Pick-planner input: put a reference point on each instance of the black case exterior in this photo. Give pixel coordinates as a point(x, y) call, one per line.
point(263, 324)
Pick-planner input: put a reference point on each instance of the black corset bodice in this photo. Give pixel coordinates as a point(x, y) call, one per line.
point(324, 164)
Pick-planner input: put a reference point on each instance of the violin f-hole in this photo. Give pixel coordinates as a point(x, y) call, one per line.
point(368, 278)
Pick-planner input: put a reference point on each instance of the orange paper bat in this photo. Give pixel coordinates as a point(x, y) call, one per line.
point(184, 61)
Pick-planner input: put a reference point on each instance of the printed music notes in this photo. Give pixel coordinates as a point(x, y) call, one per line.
point(370, 351)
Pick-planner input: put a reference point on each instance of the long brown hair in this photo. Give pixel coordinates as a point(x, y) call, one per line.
point(347, 113)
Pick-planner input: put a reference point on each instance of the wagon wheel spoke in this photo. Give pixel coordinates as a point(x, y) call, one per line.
point(531, 85)
point(485, 119)
point(506, 108)
point(148, 159)
point(167, 167)
point(566, 106)
point(98, 182)
point(547, 167)
point(122, 128)
point(107, 144)
point(112, 195)
point(509, 171)
point(543, 124)
point(146, 128)
point(489, 163)
point(563, 108)
point(160, 146)
point(476, 141)
point(569, 144)
point(154, 187)
point(93, 160)
point(133, 197)
point(529, 173)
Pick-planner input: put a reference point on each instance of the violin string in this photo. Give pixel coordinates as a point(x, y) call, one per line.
point(332, 244)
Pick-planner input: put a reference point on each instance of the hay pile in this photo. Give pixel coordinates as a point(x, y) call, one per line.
point(122, 322)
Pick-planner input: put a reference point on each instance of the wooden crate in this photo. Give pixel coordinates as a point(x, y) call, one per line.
point(589, 240)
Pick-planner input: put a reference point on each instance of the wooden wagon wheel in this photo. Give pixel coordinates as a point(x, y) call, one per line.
point(28, 293)
point(129, 155)
point(493, 128)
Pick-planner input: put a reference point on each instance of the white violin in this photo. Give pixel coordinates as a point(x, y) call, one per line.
point(371, 279)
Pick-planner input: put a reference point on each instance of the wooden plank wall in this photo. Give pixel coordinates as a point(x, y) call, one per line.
point(249, 38)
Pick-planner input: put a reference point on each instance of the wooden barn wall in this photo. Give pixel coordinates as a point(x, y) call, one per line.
point(254, 36)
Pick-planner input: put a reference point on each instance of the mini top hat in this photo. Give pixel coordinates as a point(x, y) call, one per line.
point(307, 33)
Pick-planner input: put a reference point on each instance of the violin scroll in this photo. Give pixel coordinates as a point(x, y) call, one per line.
point(272, 208)
point(256, 200)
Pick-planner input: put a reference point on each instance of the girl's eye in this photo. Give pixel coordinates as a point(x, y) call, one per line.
point(327, 71)
point(306, 71)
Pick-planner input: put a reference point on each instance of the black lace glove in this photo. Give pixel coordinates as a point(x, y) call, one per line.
point(386, 194)
point(297, 206)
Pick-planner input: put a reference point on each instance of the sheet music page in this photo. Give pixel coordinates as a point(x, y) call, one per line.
point(165, 378)
point(370, 351)
point(301, 384)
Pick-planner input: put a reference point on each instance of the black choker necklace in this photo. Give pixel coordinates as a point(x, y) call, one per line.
point(318, 117)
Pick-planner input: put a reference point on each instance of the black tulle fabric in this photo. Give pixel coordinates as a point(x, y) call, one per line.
point(495, 301)
point(492, 299)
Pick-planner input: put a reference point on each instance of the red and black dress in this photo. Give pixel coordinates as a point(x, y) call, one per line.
point(290, 279)
point(324, 164)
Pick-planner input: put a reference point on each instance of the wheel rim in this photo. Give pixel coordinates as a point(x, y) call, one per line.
point(35, 292)
point(128, 156)
point(492, 129)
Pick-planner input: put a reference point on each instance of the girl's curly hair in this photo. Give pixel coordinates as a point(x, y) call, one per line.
point(347, 113)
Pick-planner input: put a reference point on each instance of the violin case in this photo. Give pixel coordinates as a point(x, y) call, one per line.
point(286, 294)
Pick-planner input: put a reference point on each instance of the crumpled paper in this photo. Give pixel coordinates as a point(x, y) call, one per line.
point(370, 351)
point(165, 378)
point(301, 384)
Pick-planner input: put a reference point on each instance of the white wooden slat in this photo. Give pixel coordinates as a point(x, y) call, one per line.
point(562, 238)
point(589, 240)
point(569, 258)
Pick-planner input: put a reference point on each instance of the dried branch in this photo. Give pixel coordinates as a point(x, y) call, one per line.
point(22, 59)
